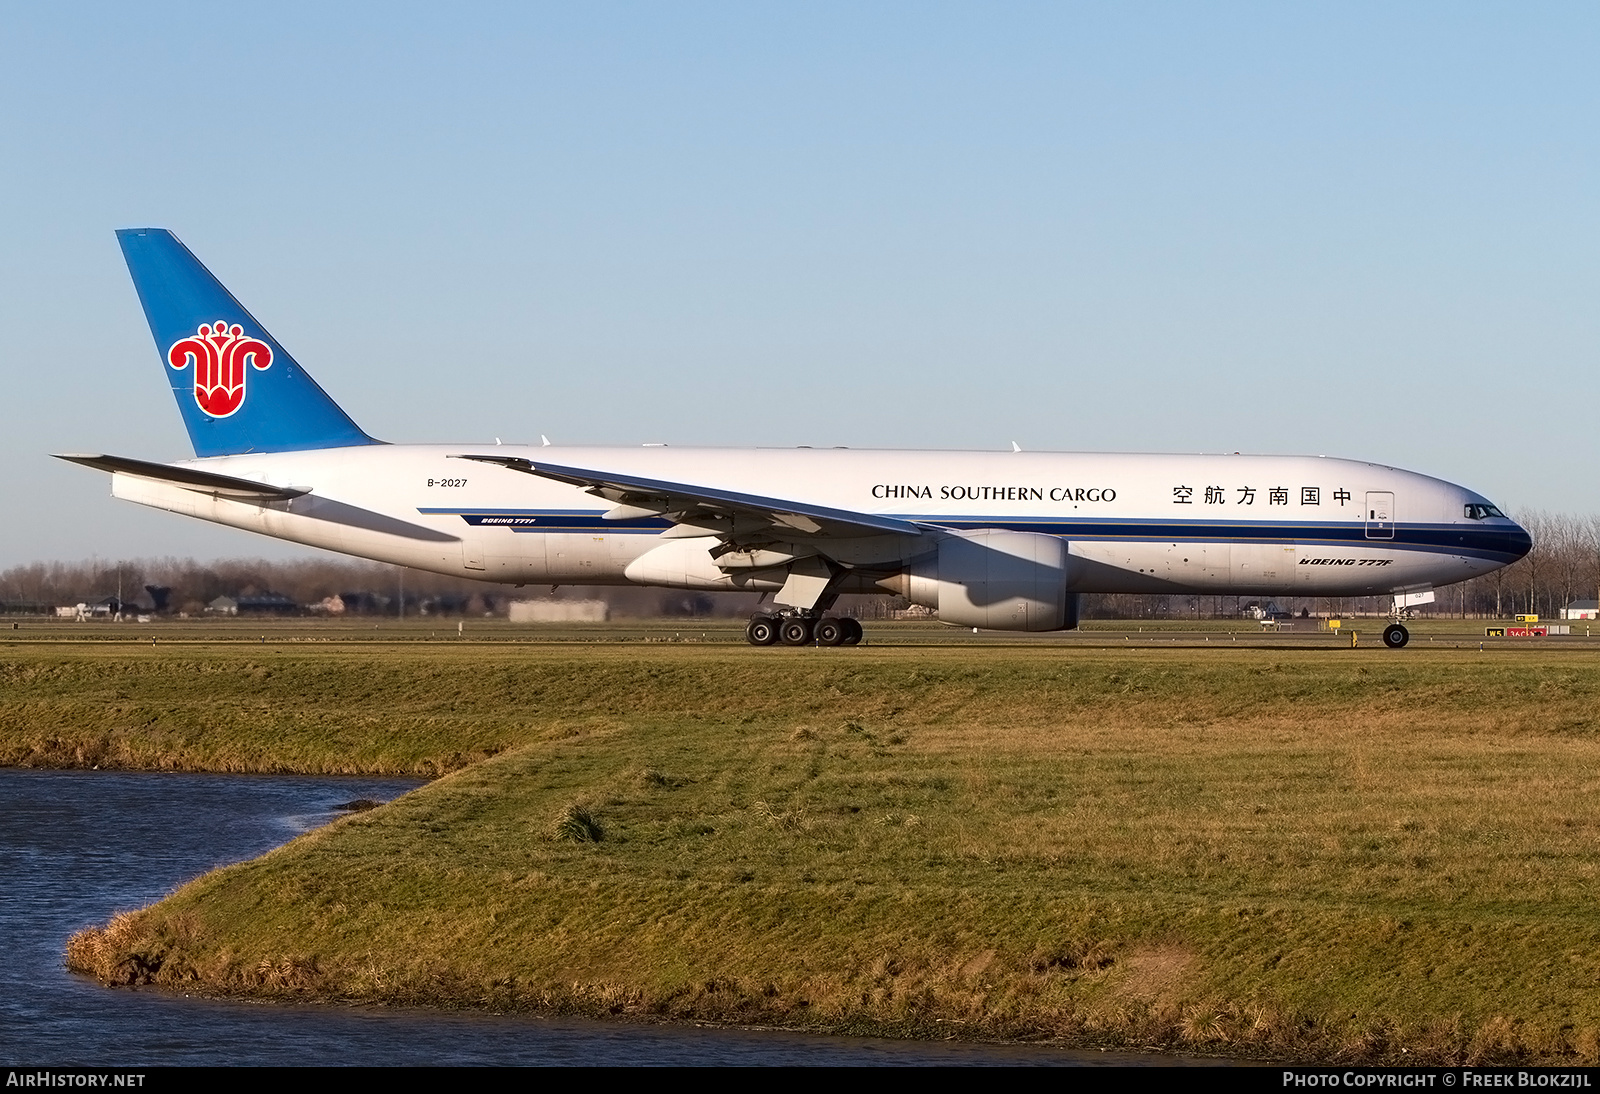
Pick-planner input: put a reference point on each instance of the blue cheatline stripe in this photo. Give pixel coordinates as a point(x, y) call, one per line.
point(1503, 545)
point(1494, 544)
point(551, 520)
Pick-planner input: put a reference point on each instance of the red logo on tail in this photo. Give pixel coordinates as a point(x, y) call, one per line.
point(219, 353)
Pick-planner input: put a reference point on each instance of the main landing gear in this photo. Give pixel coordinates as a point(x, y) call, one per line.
point(802, 630)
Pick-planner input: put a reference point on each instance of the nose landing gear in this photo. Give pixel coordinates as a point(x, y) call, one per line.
point(1395, 635)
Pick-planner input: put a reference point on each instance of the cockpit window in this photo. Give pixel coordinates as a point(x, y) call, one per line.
point(1480, 511)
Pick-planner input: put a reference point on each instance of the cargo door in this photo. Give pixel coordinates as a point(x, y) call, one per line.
point(1262, 566)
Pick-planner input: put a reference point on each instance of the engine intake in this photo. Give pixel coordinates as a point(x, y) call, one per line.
point(999, 580)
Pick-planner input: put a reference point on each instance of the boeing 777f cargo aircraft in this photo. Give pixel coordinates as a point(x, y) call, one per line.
point(1001, 540)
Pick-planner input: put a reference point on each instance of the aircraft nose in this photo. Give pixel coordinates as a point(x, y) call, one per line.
point(1518, 541)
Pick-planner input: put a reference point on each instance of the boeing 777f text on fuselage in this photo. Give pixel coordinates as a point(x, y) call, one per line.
point(999, 540)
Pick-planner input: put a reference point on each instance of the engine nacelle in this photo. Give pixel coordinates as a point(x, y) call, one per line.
point(1008, 581)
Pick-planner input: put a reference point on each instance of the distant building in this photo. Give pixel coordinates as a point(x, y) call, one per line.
point(560, 611)
point(109, 608)
point(1582, 609)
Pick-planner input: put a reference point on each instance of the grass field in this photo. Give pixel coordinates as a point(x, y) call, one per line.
point(1277, 846)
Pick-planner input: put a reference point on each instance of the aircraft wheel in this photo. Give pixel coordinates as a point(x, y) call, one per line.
point(1395, 636)
point(852, 631)
point(795, 631)
point(830, 631)
point(762, 630)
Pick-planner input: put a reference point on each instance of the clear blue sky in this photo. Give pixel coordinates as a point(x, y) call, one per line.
point(1360, 230)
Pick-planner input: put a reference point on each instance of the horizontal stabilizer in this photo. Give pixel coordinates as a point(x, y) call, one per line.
point(703, 506)
point(205, 482)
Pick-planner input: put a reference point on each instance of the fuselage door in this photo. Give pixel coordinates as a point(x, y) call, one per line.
point(1380, 514)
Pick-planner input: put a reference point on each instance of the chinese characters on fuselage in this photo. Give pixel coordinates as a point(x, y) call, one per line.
point(1276, 495)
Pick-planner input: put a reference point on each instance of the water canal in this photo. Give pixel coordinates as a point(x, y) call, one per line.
point(77, 846)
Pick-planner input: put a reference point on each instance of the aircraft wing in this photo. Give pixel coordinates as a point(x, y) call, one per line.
point(702, 510)
point(204, 482)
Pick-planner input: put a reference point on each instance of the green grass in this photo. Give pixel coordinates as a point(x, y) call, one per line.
point(1309, 853)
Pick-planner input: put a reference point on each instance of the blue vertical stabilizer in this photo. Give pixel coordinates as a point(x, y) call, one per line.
point(238, 390)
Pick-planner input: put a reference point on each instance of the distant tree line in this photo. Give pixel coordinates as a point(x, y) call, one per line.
point(1563, 566)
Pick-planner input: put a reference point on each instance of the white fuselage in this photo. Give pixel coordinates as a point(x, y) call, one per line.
point(1281, 525)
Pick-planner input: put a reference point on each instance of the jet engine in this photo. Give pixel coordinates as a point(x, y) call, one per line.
point(1000, 580)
